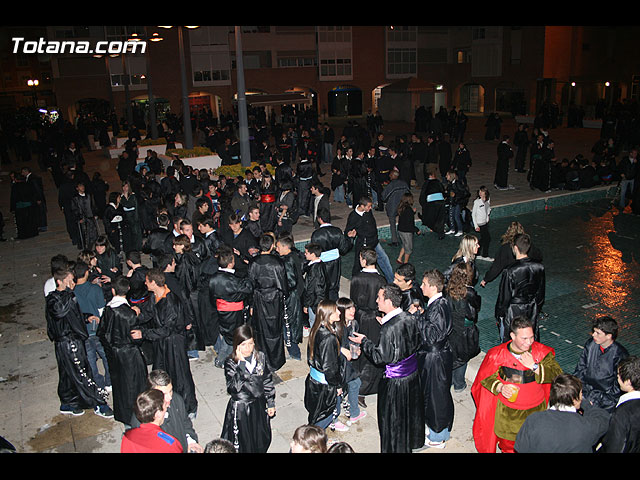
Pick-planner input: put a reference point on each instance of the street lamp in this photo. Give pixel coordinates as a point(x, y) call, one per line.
point(152, 104)
point(33, 83)
point(186, 111)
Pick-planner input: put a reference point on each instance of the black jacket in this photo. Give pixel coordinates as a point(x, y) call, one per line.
point(598, 372)
point(555, 431)
point(521, 293)
point(623, 435)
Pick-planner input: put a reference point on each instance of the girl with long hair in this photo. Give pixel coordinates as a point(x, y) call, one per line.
point(406, 227)
point(252, 404)
point(467, 251)
point(351, 351)
point(464, 338)
point(324, 383)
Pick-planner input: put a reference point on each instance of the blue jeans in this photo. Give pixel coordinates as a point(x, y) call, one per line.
point(623, 191)
point(353, 390)
point(95, 350)
point(338, 194)
point(327, 152)
point(223, 349)
point(455, 218)
point(384, 263)
point(457, 377)
point(442, 436)
point(393, 229)
point(312, 317)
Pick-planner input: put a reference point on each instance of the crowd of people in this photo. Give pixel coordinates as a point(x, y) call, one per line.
point(224, 274)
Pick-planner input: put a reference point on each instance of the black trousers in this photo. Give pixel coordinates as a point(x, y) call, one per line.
point(485, 239)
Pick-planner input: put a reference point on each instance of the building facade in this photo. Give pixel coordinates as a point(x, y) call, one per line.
point(341, 70)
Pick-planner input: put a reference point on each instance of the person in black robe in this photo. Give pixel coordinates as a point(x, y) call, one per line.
point(82, 208)
point(127, 365)
point(99, 189)
point(363, 291)
point(66, 328)
point(304, 174)
point(109, 262)
point(541, 168)
point(25, 208)
point(400, 398)
point(112, 221)
point(168, 332)
point(252, 404)
point(206, 311)
point(521, 291)
point(210, 236)
point(504, 257)
point(325, 382)
point(66, 192)
point(41, 200)
point(131, 225)
point(283, 172)
point(335, 245)
point(269, 278)
point(521, 142)
point(432, 202)
point(188, 273)
point(287, 208)
point(505, 154)
point(267, 203)
point(435, 360)
point(243, 243)
point(293, 261)
point(229, 295)
point(156, 243)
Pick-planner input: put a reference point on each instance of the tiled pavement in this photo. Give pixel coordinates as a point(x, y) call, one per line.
point(591, 257)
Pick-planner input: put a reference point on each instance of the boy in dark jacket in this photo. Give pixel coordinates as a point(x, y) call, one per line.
point(315, 281)
point(623, 435)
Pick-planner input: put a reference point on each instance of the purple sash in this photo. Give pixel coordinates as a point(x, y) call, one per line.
point(403, 368)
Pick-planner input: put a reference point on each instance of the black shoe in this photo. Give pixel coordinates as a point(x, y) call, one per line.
point(361, 402)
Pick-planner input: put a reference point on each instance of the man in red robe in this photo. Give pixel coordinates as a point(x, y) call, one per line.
point(513, 381)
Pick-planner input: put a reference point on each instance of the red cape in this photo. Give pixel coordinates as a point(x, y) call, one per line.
point(483, 434)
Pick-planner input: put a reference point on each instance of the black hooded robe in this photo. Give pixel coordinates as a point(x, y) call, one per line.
point(66, 328)
point(435, 360)
point(269, 278)
point(364, 291)
point(169, 336)
point(127, 365)
point(246, 422)
point(400, 399)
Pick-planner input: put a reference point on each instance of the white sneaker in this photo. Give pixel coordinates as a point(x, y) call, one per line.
point(479, 257)
point(431, 444)
point(459, 234)
point(449, 232)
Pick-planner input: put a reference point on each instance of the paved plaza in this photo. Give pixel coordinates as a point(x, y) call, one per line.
point(591, 255)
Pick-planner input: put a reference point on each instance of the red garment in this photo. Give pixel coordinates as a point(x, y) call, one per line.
point(149, 438)
point(500, 355)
